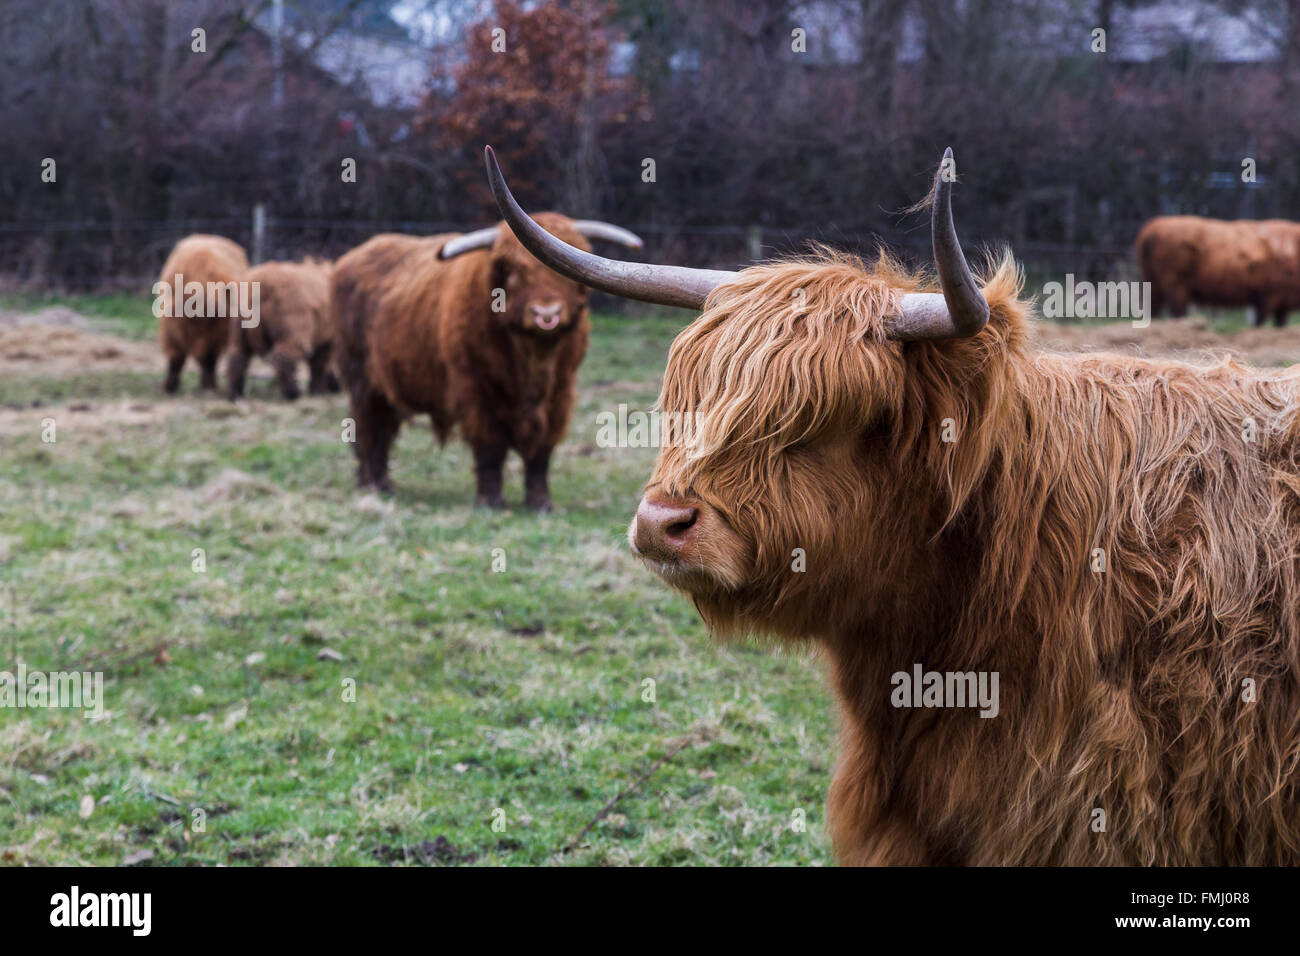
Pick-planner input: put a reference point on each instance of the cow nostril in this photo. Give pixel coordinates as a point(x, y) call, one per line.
point(678, 528)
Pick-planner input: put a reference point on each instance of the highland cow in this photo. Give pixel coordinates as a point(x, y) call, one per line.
point(889, 471)
point(1211, 262)
point(294, 325)
point(214, 262)
point(472, 331)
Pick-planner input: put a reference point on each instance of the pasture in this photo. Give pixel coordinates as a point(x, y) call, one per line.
point(476, 691)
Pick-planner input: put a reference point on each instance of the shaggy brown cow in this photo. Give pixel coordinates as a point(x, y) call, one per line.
point(203, 259)
point(1114, 538)
point(1247, 262)
point(472, 331)
point(294, 326)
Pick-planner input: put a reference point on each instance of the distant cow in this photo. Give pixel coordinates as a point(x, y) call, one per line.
point(218, 264)
point(472, 331)
point(1212, 262)
point(1059, 595)
point(293, 326)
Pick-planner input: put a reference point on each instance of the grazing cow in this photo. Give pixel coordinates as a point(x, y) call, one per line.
point(218, 264)
point(1246, 262)
point(294, 325)
point(472, 331)
point(893, 474)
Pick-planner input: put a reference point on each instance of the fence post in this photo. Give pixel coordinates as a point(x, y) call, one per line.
point(754, 240)
point(259, 231)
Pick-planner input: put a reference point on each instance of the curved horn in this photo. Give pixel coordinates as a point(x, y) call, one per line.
point(478, 239)
point(664, 285)
point(595, 229)
point(960, 311)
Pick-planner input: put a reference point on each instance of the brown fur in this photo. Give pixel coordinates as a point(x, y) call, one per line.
point(294, 326)
point(418, 335)
point(1121, 690)
point(198, 258)
point(1246, 262)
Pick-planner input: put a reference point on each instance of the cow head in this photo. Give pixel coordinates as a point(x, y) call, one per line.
point(533, 300)
point(786, 486)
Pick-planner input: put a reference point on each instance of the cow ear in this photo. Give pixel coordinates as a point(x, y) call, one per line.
point(500, 272)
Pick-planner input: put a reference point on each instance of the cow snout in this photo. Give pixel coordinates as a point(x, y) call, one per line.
point(663, 528)
point(546, 315)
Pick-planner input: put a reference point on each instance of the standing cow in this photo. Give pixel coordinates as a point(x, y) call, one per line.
point(1107, 544)
point(1212, 262)
point(294, 325)
point(472, 331)
point(217, 264)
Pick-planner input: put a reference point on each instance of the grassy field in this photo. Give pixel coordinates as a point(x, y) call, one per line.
point(496, 713)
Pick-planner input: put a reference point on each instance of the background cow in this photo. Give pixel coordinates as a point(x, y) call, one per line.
point(1115, 537)
point(294, 325)
point(472, 331)
point(203, 259)
point(1212, 262)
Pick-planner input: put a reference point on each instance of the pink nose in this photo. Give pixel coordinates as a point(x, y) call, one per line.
point(546, 316)
point(664, 527)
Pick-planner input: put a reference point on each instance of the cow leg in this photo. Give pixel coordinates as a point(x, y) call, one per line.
point(236, 373)
point(489, 461)
point(285, 363)
point(321, 377)
point(1258, 312)
point(537, 493)
point(208, 371)
point(173, 381)
point(1157, 303)
point(377, 425)
point(1279, 318)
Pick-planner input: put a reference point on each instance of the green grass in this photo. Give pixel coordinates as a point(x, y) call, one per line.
point(476, 691)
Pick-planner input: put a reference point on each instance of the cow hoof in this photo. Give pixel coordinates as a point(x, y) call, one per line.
point(495, 504)
point(542, 507)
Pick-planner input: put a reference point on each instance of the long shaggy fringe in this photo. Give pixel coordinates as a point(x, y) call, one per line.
point(1116, 537)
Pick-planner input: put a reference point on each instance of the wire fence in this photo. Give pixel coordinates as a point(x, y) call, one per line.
point(90, 255)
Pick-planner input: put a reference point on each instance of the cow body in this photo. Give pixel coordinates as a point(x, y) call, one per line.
point(294, 325)
point(1103, 551)
point(1115, 538)
point(1213, 262)
point(203, 259)
point(419, 335)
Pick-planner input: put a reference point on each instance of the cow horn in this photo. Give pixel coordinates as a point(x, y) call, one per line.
point(478, 239)
point(663, 285)
point(595, 229)
point(958, 312)
point(961, 310)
